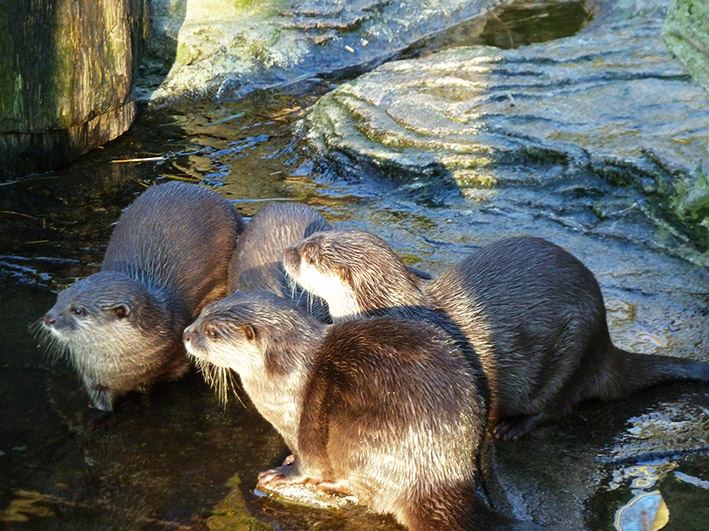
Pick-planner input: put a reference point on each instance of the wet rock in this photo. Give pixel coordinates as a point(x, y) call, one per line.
point(601, 466)
point(686, 33)
point(606, 109)
point(211, 48)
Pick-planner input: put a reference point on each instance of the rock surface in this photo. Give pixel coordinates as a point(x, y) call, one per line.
point(608, 103)
point(686, 33)
point(224, 50)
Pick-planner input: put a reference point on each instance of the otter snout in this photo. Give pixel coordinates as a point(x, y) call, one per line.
point(192, 340)
point(189, 336)
point(50, 319)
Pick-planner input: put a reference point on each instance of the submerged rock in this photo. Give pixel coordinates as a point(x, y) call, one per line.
point(608, 108)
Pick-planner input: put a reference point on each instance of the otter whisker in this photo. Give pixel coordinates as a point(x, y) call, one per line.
point(232, 383)
point(48, 342)
point(220, 379)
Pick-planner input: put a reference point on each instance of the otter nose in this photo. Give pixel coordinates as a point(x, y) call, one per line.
point(187, 336)
point(49, 319)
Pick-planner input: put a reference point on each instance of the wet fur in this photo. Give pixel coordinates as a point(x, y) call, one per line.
point(533, 314)
point(384, 408)
point(168, 256)
point(257, 262)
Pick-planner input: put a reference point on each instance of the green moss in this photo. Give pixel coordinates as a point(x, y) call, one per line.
point(692, 201)
point(231, 512)
point(686, 34)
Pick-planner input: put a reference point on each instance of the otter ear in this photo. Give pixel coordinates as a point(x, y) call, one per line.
point(121, 310)
point(345, 274)
point(249, 332)
point(310, 253)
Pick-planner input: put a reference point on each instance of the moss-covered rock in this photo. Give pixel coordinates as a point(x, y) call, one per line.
point(686, 33)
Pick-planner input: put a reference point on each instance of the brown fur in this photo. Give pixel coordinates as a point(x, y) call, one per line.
point(384, 408)
point(257, 262)
point(533, 314)
point(167, 258)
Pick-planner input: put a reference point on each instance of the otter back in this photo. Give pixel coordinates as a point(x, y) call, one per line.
point(180, 236)
point(533, 314)
point(257, 262)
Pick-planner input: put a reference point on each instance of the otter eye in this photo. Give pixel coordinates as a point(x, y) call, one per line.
point(79, 312)
point(121, 311)
point(211, 333)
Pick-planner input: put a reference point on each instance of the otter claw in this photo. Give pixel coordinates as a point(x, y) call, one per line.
point(337, 487)
point(270, 478)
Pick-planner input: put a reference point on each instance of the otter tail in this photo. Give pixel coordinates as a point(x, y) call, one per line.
point(628, 372)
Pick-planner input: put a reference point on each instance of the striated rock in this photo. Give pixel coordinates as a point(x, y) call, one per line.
point(610, 102)
point(223, 50)
point(66, 79)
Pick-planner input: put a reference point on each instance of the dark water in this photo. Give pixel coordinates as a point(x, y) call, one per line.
point(175, 458)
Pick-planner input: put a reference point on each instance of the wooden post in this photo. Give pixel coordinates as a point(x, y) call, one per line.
point(67, 70)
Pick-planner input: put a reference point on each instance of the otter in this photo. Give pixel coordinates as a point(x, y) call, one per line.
point(257, 261)
point(384, 408)
point(534, 316)
point(167, 257)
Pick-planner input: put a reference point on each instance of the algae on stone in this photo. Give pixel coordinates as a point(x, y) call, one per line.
point(686, 33)
point(66, 78)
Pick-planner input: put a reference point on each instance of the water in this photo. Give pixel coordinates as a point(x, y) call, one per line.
point(174, 458)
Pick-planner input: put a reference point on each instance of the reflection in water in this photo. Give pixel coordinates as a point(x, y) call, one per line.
point(645, 512)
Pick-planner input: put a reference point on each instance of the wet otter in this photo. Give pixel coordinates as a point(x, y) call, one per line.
point(256, 264)
point(383, 408)
point(533, 314)
point(257, 261)
point(168, 256)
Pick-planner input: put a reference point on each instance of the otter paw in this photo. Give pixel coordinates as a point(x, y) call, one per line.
point(339, 486)
point(270, 478)
point(286, 473)
point(512, 428)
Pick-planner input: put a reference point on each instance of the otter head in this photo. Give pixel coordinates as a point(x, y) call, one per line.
point(268, 341)
point(91, 305)
point(107, 324)
point(355, 272)
point(254, 333)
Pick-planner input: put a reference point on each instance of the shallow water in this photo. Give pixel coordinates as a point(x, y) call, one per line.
point(174, 457)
